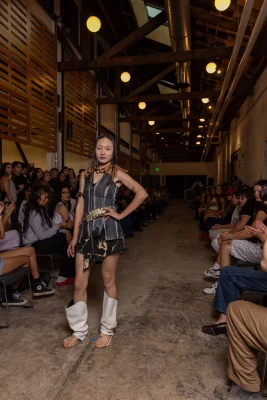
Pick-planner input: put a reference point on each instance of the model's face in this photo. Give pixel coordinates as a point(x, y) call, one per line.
point(47, 177)
point(218, 190)
point(104, 151)
point(9, 169)
point(257, 192)
point(43, 200)
point(17, 170)
point(242, 200)
point(235, 200)
point(65, 194)
point(39, 174)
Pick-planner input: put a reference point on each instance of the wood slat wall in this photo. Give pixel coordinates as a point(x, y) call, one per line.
point(28, 77)
point(80, 109)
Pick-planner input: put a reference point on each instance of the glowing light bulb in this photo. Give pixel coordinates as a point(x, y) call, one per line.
point(142, 105)
point(202, 119)
point(151, 123)
point(205, 100)
point(199, 136)
point(125, 77)
point(157, 133)
point(93, 24)
point(211, 67)
point(209, 107)
point(198, 143)
point(200, 126)
point(222, 5)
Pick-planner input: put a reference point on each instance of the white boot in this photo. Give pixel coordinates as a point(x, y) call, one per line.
point(109, 315)
point(77, 318)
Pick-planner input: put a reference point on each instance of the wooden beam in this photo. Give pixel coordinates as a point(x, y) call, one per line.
point(152, 81)
point(159, 118)
point(133, 38)
point(154, 58)
point(171, 130)
point(162, 97)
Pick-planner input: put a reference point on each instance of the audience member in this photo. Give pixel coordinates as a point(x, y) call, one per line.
point(7, 186)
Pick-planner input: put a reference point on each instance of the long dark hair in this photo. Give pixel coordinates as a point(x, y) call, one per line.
point(94, 162)
point(32, 205)
point(34, 175)
point(3, 169)
point(56, 198)
point(246, 192)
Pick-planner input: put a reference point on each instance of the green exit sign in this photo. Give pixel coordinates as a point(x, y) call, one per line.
point(157, 169)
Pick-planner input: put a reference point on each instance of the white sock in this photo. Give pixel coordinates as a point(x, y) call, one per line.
point(216, 266)
point(61, 279)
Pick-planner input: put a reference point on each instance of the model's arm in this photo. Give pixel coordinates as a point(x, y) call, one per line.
point(138, 190)
point(6, 187)
point(228, 226)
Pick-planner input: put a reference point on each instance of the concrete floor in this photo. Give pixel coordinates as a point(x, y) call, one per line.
point(158, 352)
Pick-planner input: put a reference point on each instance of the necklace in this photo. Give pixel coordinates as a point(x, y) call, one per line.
point(103, 170)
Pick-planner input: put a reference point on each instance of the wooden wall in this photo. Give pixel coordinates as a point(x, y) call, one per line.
point(80, 109)
point(28, 77)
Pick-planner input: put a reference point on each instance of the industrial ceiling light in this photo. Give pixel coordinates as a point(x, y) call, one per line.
point(205, 100)
point(219, 71)
point(200, 126)
point(198, 143)
point(151, 123)
point(199, 136)
point(125, 77)
point(162, 138)
point(157, 133)
point(93, 24)
point(222, 5)
point(202, 119)
point(209, 107)
point(211, 67)
point(142, 105)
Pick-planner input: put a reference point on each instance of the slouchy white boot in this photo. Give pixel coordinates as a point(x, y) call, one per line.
point(109, 316)
point(77, 318)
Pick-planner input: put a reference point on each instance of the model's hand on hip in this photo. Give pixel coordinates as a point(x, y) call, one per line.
point(112, 213)
point(71, 248)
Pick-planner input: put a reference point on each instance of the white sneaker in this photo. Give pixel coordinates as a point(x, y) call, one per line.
point(212, 289)
point(212, 272)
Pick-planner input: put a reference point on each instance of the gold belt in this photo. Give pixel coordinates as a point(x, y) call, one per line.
point(99, 212)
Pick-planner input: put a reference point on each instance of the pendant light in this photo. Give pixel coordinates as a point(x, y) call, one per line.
point(157, 133)
point(125, 77)
point(222, 5)
point(198, 143)
point(151, 123)
point(202, 119)
point(211, 67)
point(205, 100)
point(93, 24)
point(142, 105)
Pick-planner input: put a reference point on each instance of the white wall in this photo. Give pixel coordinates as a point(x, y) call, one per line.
point(33, 154)
point(108, 116)
point(197, 168)
point(248, 134)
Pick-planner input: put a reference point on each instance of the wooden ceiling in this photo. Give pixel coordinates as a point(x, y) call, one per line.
point(121, 46)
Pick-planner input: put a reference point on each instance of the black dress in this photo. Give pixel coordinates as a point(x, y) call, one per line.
point(99, 238)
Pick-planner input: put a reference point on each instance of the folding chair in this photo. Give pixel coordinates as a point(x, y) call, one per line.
point(52, 258)
point(10, 278)
point(263, 295)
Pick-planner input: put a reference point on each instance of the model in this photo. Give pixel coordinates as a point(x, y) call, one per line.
point(98, 236)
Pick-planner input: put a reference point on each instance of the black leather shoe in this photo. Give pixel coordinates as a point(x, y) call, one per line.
point(215, 329)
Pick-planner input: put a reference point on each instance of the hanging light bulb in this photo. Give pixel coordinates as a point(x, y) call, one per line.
point(209, 107)
point(199, 136)
point(142, 105)
point(202, 119)
point(162, 138)
point(157, 133)
point(198, 143)
point(211, 67)
point(200, 126)
point(151, 123)
point(125, 77)
point(205, 100)
point(93, 24)
point(222, 5)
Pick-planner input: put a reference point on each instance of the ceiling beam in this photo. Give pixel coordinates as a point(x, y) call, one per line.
point(161, 97)
point(154, 58)
point(152, 81)
point(133, 38)
point(159, 118)
point(171, 130)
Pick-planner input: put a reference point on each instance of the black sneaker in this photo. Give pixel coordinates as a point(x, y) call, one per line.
point(14, 300)
point(41, 289)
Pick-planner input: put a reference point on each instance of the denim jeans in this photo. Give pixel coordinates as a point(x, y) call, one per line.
point(234, 278)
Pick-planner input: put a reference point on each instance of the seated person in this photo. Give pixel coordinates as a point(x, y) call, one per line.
point(8, 239)
point(59, 210)
point(248, 251)
point(217, 229)
point(215, 208)
point(39, 231)
point(234, 278)
point(21, 257)
point(246, 329)
point(202, 202)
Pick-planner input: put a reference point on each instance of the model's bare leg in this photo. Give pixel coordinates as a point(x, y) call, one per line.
point(80, 302)
point(108, 320)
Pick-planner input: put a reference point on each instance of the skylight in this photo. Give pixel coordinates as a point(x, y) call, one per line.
point(152, 11)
